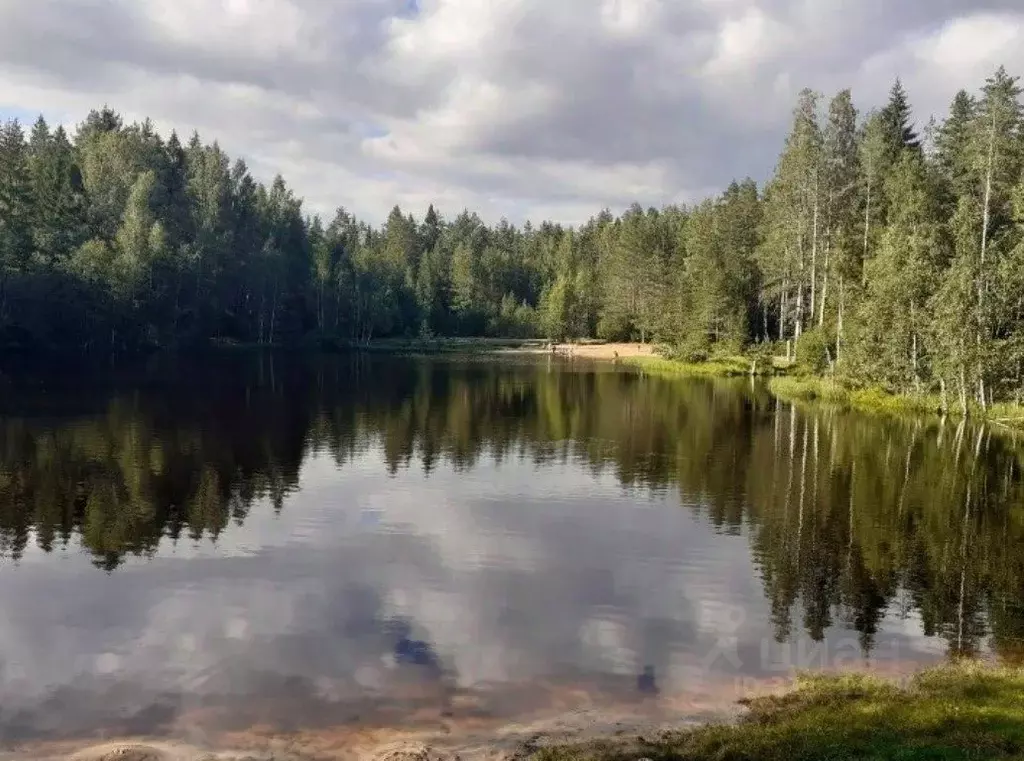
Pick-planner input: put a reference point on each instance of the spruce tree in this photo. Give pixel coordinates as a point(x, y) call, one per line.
point(953, 151)
point(16, 201)
point(898, 120)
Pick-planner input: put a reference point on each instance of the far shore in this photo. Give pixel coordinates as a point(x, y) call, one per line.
point(590, 350)
point(785, 378)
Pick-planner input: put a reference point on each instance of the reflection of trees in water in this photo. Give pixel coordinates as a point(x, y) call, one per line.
point(849, 516)
point(901, 516)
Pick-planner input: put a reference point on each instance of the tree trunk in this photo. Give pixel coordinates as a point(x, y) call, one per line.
point(913, 350)
point(839, 320)
point(782, 311)
point(814, 250)
point(824, 278)
point(985, 219)
point(262, 317)
point(867, 231)
point(963, 390)
point(320, 308)
point(273, 313)
point(798, 327)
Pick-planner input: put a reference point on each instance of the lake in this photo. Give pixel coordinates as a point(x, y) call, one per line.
point(291, 543)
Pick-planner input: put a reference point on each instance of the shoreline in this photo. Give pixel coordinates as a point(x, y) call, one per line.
point(781, 381)
point(814, 389)
point(956, 710)
point(964, 710)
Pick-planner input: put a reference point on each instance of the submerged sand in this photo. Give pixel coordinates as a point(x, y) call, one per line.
point(438, 736)
point(570, 716)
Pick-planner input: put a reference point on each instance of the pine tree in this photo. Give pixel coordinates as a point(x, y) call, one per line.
point(322, 268)
point(58, 220)
point(623, 275)
point(953, 153)
point(898, 121)
point(16, 209)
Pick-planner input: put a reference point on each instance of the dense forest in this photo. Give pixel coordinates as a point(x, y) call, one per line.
point(881, 251)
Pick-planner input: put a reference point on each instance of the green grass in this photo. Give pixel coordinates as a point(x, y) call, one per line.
point(792, 382)
point(952, 712)
point(815, 389)
point(872, 399)
point(723, 367)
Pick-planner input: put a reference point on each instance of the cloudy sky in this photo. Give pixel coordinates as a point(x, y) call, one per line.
point(517, 108)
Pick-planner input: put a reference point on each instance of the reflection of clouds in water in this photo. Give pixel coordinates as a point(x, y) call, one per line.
point(490, 590)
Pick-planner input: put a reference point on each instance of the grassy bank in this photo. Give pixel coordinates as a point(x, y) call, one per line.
point(725, 367)
point(952, 712)
point(796, 385)
point(876, 400)
point(812, 388)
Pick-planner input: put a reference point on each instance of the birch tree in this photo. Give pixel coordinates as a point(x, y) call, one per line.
point(841, 169)
point(996, 153)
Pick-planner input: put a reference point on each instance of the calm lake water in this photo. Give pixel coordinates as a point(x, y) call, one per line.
point(293, 542)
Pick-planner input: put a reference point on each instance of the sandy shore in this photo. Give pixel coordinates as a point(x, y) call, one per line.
point(425, 736)
point(566, 715)
point(443, 743)
point(607, 351)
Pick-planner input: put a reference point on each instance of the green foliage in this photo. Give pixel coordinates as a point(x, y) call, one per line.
point(813, 351)
point(514, 320)
point(695, 366)
point(16, 212)
point(899, 128)
point(885, 260)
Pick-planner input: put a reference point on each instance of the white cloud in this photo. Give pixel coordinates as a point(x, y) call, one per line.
point(520, 107)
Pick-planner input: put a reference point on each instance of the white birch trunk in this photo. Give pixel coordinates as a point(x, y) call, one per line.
point(867, 230)
point(839, 320)
point(814, 249)
point(824, 278)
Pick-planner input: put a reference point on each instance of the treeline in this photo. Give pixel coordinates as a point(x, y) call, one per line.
point(878, 252)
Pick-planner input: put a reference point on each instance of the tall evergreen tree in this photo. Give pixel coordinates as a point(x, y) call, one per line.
point(898, 120)
point(16, 214)
point(953, 151)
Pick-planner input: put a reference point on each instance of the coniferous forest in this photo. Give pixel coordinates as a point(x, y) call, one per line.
point(882, 249)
